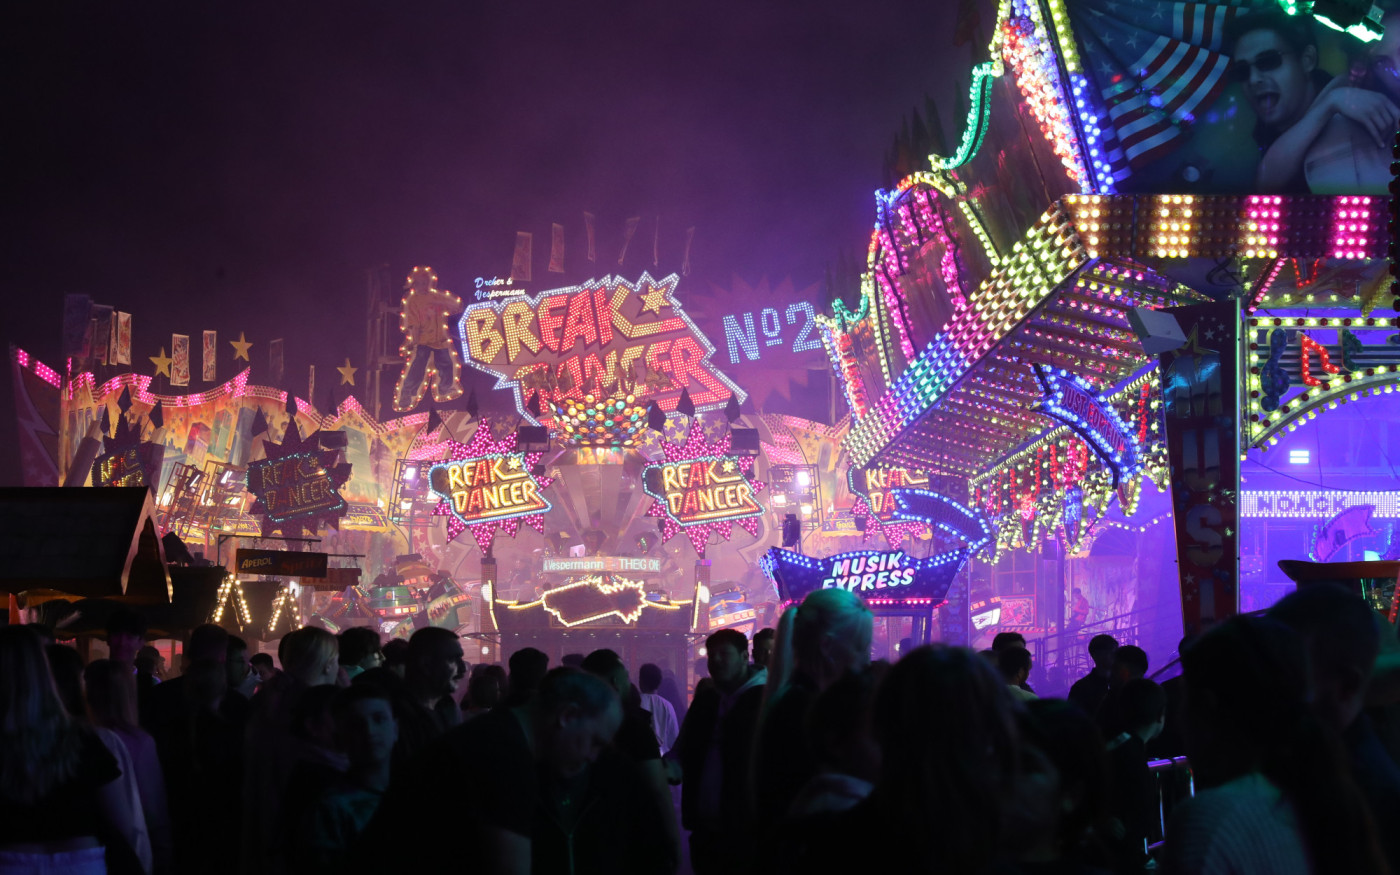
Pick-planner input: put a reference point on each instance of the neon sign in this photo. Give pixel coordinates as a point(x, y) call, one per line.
point(595, 334)
point(942, 512)
point(1302, 504)
point(1091, 416)
point(883, 577)
point(297, 485)
point(876, 484)
point(485, 486)
point(599, 564)
point(702, 490)
point(495, 487)
point(123, 468)
point(742, 332)
point(594, 598)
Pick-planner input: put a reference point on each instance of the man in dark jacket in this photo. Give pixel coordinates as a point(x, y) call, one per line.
point(714, 750)
point(1089, 691)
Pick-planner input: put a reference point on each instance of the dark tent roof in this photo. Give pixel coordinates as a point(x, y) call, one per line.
point(89, 543)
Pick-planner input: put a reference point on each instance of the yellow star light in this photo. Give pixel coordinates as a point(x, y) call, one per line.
point(240, 347)
point(654, 299)
point(347, 373)
point(162, 363)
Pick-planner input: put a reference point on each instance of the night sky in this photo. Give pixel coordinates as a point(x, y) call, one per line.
point(238, 166)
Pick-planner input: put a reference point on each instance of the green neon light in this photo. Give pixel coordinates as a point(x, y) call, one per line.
point(1366, 30)
point(978, 114)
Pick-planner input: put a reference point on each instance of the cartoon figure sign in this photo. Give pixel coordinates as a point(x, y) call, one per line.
point(424, 317)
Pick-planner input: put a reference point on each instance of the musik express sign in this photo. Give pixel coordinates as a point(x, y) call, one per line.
point(698, 491)
point(600, 332)
point(488, 488)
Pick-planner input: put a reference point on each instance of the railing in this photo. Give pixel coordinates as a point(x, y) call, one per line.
point(1063, 657)
point(1165, 771)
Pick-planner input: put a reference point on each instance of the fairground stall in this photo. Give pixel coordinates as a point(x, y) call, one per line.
point(1137, 320)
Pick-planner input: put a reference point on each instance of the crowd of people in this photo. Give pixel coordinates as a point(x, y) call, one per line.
point(795, 754)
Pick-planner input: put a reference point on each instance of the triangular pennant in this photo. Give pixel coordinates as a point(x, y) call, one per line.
point(656, 417)
point(731, 409)
point(259, 423)
point(472, 407)
point(106, 420)
point(685, 405)
point(157, 415)
point(534, 406)
point(124, 401)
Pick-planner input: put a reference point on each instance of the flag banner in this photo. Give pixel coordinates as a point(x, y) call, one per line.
point(179, 359)
point(556, 248)
point(123, 339)
point(112, 338)
point(209, 371)
point(311, 385)
point(520, 264)
point(274, 362)
point(685, 259)
point(588, 226)
point(656, 243)
point(627, 235)
point(101, 333)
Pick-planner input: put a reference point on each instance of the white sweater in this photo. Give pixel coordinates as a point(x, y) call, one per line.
point(1240, 828)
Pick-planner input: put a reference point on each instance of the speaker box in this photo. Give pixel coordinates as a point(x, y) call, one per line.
point(1158, 331)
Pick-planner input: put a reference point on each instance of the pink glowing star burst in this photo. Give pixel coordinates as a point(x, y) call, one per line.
point(702, 489)
point(484, 486)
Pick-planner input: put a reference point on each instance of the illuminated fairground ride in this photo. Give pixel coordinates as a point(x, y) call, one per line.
point(1110, 281)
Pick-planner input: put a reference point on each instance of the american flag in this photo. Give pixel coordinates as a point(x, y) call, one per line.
point(1156, 65)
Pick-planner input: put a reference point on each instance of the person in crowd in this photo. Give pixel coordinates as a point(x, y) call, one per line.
point(1143, 707)
point(1003, 640)
point(663, 715)
point(528, 667)
point(671, 690)
point(434, 670)
point(198, 730)
point(840, 733)
point(1015, 665)
point(818, 643)
point(763, 646)
point(549, 741)
point(486, 688)
point(714, 750)
point(1273, 791)
point(1275, 60)
point(1089, 691)
point(365, 728)
point(150, 671)
point(1129, 664)
point(1079, 609)
point(1171, 741)
point(111, 704)
point(1058, 815)
point(262, 665)
point(66, 666)
point(360, 650)
point(62, 806)
point(950, 756)
point(636, 740)
point(1342, 639)
point(126, 633)
point(273, 747)
point(320, 764)
point(241, 679)
point(396, 655)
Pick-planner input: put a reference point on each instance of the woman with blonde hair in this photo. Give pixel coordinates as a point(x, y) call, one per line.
point(62, 808)
point(817, 644)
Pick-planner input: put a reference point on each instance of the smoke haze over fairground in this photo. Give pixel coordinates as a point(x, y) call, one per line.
point(238, 167)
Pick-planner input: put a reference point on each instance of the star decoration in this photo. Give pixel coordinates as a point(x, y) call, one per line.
point(653, 299)
point(729, 466)
point(697, 449)
point(485, 447)
point(297, 485)
point(162, 363)
point(240, 347)
point(347, 373)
